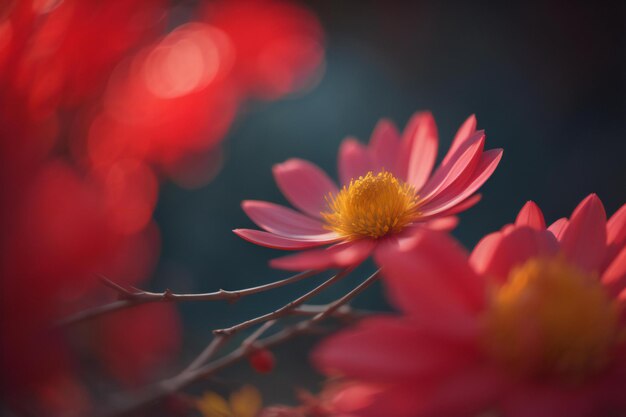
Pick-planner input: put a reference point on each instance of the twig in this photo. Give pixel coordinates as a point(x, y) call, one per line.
point(250, 340)
point(211, 349)
point(345, 312)
point(189, 376)
point(284, 310)
point(134, 298)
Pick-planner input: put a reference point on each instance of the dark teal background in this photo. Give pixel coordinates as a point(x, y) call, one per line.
point(546, 81)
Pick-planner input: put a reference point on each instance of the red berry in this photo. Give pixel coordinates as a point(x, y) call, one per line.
point(262, 361)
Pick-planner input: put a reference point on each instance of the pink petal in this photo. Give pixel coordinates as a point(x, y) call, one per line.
point(488, 163)
point(530, 215)
point(278, 242)
point(498, 253)
point(387, 350)
point(384, 147)
point(558, 227)
point(365, 399)
point(423, 152)
point(305, 185)
point(354, 160)
point(444, 224)
point(584, 240)
point(341, 255)
point(429, 275)
point(467, 391)
point(460, 167)
point(615, 275)
point(467, 129)
point(552, 400)
point(283, 221)
point(483, 252)
point(408, 138)
point(616, 227)
point(616, 234)
point(462, 206)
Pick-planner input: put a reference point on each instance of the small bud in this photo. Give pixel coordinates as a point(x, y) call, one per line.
point(262, 361)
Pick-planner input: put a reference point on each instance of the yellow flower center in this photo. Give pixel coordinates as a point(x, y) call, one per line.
point(372, 206)
point(552, 320)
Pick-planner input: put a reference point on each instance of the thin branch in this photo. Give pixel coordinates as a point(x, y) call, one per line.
point(345, 312)
point(189, 376)
point(286, 309)
point(337, 304)
point(211, 349)
point(134, 298)
point(250, 340)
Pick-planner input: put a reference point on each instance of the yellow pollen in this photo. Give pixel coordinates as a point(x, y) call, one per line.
point(372, 206)
point(552, 320)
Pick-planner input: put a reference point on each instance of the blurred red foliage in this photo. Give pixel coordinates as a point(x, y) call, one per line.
point(97, 102)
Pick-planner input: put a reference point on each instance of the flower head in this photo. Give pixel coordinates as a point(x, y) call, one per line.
point(532, 323)
point(388, 189)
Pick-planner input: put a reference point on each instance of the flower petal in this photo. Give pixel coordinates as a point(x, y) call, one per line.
point(375, 400)
point(341, 255)
point(616, 227)
point(422, 152)
point(551, 400)
point(488, 163)
point(497, 253)
point(467, 129)
point(270, 240)
point(615, 275)
point(384, 147)
point(460, 167)
point(407, 141)
point(616, 234)
point(305, 185)
point(530, 215)
point(462, 206)
point(354, 160)
point(467, 391)
point(388, 349)
point(444, 224)
point(584, 240)
point(283, 221)
point(558, 227)
point(429, 275)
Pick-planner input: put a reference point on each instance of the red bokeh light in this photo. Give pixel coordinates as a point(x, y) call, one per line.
point(278, 44)
point(98, 103)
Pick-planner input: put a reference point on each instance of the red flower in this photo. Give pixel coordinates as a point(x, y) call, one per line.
point(532, 324)
point(388, 190)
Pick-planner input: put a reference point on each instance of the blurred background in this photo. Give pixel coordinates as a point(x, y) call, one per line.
point(132, 130)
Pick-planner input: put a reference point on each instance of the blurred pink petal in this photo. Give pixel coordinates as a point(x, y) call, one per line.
point(558, 227)
point(530, 215)
point(443, 288)
point(400, 352)
point(615, 274)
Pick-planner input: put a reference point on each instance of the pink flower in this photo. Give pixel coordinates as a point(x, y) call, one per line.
point(388, 190)
point(531, 324)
